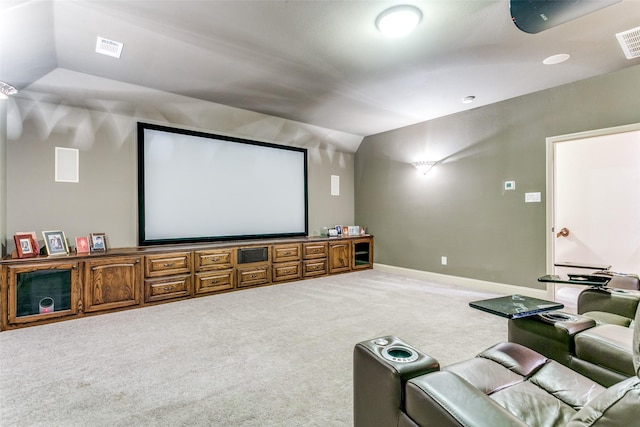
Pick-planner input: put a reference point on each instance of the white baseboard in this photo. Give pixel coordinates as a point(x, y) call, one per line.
point(474, 284)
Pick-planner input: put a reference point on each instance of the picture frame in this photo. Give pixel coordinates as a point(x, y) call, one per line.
point(98, 242)
point(34, 237)
point(24, 245)
point(55, 242)
point(82, 245)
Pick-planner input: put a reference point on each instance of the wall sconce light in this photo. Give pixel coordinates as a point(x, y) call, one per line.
point(424, 166)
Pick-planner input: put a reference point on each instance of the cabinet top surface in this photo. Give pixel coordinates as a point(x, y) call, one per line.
point(159, 249)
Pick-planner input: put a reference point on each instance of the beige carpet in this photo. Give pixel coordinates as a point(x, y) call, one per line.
point(274, 356)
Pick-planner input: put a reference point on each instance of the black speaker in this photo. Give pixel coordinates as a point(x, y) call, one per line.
point(253, 255)
point(535, 16)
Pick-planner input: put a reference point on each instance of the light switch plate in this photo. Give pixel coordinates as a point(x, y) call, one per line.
point(532, 197)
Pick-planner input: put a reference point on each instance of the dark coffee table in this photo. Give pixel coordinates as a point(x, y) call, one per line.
point(515, 306)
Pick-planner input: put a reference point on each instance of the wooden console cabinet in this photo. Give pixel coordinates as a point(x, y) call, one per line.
point(47, 289)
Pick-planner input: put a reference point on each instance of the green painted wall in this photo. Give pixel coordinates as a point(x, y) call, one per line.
point(99, 117)
point(460, 208)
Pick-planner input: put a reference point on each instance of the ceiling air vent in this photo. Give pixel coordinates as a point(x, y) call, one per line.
point(630, 42)
point(108, 47)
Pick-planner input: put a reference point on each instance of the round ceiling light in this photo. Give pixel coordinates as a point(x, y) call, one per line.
point(556, 59)
point(398, 20)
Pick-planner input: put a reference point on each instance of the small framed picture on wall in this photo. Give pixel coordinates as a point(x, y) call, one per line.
point(98, 242)
point(24, 245)
point(55, 242)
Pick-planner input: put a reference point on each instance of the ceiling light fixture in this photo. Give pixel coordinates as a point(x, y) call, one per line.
point(556, 59)
point(398, 20)
point(468, 99)
point(423, 166)
point(6, 89)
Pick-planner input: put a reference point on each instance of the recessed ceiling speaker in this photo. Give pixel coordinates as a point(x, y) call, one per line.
point(536, 16)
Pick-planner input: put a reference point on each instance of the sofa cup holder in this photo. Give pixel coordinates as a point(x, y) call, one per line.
point(557, 317)
point(400, 354)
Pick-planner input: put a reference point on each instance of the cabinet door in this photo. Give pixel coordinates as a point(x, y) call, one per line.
point(339, 256)
point(41, 291)
point(112, 283)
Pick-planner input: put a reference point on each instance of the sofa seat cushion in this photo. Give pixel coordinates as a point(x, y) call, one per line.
point(534, 406)
point(534, 389)
point(607, 345)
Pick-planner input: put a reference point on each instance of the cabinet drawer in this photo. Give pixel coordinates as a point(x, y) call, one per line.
point(287, 253)
point(169, 288)
point(287, 271)
point(167, 264)
point(314, 267)
point(315, 250)
point(214, 281)
point(219, 259)
point(253, 276)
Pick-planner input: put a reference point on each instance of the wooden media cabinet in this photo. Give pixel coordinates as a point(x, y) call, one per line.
point(46, 289)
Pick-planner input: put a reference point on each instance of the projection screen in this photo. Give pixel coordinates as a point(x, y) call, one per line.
point(195, 186)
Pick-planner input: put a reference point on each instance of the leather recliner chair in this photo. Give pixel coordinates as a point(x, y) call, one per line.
point(508, 384)
point(596, 342)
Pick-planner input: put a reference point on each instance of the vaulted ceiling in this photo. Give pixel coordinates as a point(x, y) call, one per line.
point(318, 62)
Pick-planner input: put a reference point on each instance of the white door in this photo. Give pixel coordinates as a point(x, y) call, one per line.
point(596, 204)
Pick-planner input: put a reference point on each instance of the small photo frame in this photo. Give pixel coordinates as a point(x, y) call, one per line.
point(82, 245)
point(55, 242)
point(34, 243)
point(24, 245)
point(98, 242)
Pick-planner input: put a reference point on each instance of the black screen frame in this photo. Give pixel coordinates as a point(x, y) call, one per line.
point(143, 240)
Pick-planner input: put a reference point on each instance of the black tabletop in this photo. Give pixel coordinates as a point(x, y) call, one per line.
point(515, 306)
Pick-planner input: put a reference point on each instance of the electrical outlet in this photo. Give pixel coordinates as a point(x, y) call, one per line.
point(444, 260)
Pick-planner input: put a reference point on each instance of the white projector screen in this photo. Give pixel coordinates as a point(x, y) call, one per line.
point(194, 186)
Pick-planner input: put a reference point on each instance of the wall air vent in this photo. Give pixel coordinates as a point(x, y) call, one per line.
point(108, 47)
point(630, 42)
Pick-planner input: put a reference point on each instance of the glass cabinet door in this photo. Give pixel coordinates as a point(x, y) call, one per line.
point(41, 291)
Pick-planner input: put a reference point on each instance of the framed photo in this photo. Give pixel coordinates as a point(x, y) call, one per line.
point(98, 242)
point(82, 245)
point(55, 242)
point(34, 243)
point(24, 245)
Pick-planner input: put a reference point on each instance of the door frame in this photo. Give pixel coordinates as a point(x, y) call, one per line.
point(550, 197)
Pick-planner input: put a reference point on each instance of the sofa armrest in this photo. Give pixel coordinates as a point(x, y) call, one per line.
point(443, 399)
point(378, 382)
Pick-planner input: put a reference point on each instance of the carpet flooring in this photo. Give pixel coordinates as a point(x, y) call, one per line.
point(279, 355)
